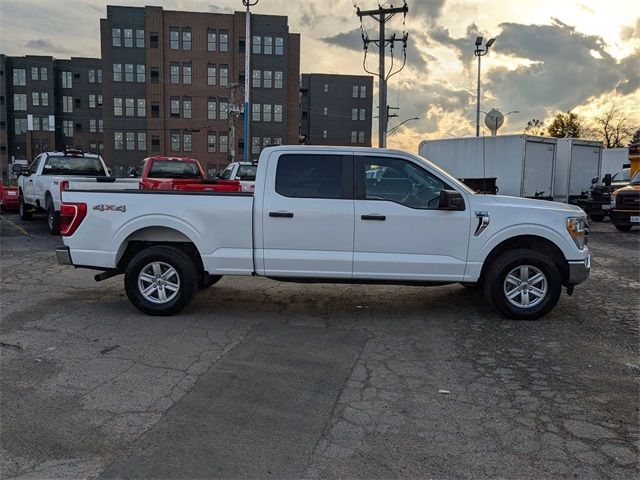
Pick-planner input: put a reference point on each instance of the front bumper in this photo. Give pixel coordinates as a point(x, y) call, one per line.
point(579, 270)
point(63, 255)
point(623, 217)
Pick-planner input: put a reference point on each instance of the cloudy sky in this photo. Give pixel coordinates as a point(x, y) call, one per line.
point(549, 56)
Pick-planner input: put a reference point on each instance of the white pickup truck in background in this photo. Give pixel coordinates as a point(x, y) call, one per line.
point(245, 172)
point(40, 184)
point(319, 215)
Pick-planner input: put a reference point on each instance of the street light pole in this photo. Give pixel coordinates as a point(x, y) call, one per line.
point(396, 127)
point(479, 52)
point(247, 75)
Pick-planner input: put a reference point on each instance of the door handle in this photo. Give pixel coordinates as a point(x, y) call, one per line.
point(281, 214)
point(381, 218)
point(30, 180)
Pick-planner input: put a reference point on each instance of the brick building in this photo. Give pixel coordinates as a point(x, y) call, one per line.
point(174, 80)
point(336, 109)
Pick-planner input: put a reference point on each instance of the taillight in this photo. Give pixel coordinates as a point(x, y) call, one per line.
point(71, 216)
point(64, 184)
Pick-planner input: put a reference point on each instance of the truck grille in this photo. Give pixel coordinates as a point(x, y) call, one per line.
point(628, 201)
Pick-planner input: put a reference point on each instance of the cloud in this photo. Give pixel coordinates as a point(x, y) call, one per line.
point(220, 8)
point(462, 45)
point(628, 32)
point(46, 45)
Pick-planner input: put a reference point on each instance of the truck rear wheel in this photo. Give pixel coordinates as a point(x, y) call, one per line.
point(25, 214)
point(53, 218)
point(623, 228)
point(523, 284)
point(160, 280)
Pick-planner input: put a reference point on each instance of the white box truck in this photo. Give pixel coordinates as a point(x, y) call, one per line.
point(577, 164)
point(614, 160)
point(522, 165)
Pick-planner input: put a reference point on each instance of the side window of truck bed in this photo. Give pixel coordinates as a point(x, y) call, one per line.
point(315, 176)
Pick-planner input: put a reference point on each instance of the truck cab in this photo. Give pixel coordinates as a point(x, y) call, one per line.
point(625, 201)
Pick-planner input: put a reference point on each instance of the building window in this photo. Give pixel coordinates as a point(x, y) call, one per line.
point(211, 74)
point(186, 142)
point(354, 92)
point(92, 76)
point(266, 112)
point(34, 73)
point(211, 109)
point(140, 38)
point(354, 114)
point(325, 111)
point(175, 107)
point(266, 141)
point(99, 75)
point(19, 77)
point(257, 44)
point(130, 107)
point(142, 107)
point(326, 88)
point(175, 73)
point(256, 83)
point(363, 92)
point(99, 101)
point(155, 75)
point(354, 136)
point(266, 78)
point(255, 112)
point(142, 141)
point(67, 128)
point(186, 107)
point(211, 142)
point(92, 126)
point(255, 145)
point(100, 125)
point(277, 113)
point(128, 72)
point(155, 143)
point(224, 41)
point(279, 46)
point(155, 109)
point(116, 37)
point(277, 141)
point(131, 140)
point(186, 39)
point(92, 101)
point(361, 136)
point(117, 107)
point(77, 102)
point(35, 99)
point(278, 80)
point(268, 45)
point(224, 75)
point(128, 37)
point(67, 81)
point(224, 143)
point(36, 123)
point(45, 124)
point(44, 99)
point(362, 114)
point(140, 73)
point(117, 72)
point(153, 43)
point(20, 126)
point(44, 73)
point(211, 40)
point(186, 73)
point(67, 104)
point(174, 39)
point(224, 109)
point(175, 141)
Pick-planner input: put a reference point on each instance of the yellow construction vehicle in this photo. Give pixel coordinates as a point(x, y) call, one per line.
point(625, 202)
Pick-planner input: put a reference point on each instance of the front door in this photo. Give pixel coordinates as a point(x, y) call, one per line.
point(30, 183)
point(308, 217)
point(400, 233)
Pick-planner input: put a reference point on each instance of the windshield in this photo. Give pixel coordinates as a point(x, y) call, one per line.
point(622, 176)
point(247, 172)
point(226, 175)
point(636, 178)
point(173, 169)
point(61, 165)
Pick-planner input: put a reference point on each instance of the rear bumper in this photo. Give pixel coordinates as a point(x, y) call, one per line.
point(579, 270)
point(63, 255)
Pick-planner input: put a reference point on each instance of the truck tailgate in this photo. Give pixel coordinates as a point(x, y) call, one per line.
point(218, 224)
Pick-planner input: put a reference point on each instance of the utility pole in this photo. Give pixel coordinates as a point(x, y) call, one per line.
point(479, 52)
point(247, 76)
point(382, 15)
point(234, 110)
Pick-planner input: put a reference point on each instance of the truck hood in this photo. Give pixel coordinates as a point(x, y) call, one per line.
point(489, 201)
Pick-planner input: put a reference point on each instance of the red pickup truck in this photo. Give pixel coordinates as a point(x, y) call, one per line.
point(173, 173)
point(9, 196)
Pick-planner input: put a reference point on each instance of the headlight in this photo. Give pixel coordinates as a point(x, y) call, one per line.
point(613, 201)
point(578, 230)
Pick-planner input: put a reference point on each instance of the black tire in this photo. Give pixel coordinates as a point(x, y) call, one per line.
point(207, 280)
point(53, 218)
point(495, 281)
point(624, 228)
point(471, 286)
point(187, 277)
point(25, 214)
point(597, 217)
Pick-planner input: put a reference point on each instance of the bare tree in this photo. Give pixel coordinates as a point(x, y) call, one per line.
point(535, 127)
point(613, 128)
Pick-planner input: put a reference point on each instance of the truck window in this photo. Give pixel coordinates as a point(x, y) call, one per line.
point(171, 169)
point(34, 165)
point(226, 175)
point(247, 172)
point(315, 176)
point(64, 165)
point(401, 181)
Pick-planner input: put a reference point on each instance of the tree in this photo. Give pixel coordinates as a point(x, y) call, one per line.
point(613, 128)
point(635, 138)
point(566, 125)
point(534, 127)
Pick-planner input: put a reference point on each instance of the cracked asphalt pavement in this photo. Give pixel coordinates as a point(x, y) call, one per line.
point(259, 379)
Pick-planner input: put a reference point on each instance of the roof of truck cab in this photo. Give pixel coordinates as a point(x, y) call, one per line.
point(331, 148)
point(173, 159)
point(78, 155)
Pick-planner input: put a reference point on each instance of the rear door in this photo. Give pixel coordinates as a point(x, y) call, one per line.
point(308, 218)
point(538, 169)
point(585, 160)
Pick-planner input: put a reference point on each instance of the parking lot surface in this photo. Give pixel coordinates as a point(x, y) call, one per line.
point(260, 379)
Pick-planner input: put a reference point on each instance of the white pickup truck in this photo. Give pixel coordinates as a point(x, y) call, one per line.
point(39, 184)
point(244, 172)
point(317, 215)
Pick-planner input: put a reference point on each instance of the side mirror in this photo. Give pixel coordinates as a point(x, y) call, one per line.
point(594, 180)
point(607, 180)
point(109, 171)
point(18, 170)
point(450, 200)
point(131, 172)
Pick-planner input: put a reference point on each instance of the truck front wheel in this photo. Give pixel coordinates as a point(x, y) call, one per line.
point(597, 217)
point(623, 228)
point(160, 280)
point(523, 284)
point(25, 214)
